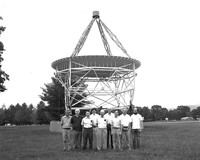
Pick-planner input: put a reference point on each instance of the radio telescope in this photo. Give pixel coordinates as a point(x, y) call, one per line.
point(110, 79)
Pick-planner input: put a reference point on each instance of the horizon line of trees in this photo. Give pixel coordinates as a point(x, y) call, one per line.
point(24, 114)
point(28, 114)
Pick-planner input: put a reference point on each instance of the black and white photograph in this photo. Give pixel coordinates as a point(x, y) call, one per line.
point(99, 80)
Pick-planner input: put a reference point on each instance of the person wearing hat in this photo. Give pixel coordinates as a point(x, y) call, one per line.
point(136, 119)
point(66, 130)
point(94, 116)
point(77, 129)
point(102, 131)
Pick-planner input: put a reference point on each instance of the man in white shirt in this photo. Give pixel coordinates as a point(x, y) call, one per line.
point(136, 119)
point(126, 127)
point(87, 130)
point(66, 130)
point(102, 131)
point(116, 131)
point(109, 116)
point(94, 116)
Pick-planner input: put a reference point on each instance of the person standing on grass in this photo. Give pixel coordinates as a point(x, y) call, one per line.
point(126, 128)
point(77, 129)
point(66, 130)
point(116, 131)
point(94, 116)
point(87, 130)
point(109, 116)
point(102, 131)
point(136, 119)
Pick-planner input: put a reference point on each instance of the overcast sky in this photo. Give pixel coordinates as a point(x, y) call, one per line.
point(164, 35)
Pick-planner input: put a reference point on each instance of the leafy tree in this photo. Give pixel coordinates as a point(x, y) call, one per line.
point(156, 111)
point(13, 109)
point(3, 75)
point(164, 113)
point(30, 114)
point(18, 114)
point(53, 94)
point(185, 111)
point(196, 113)
point(41, 114)
point(174, 114)
point(19, 117)
point(146, 113)
point(24, 114)
point(9, 114)
point(139, 109)
point(2, 115)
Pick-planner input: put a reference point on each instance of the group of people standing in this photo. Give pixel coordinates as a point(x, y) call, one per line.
point(102, 131)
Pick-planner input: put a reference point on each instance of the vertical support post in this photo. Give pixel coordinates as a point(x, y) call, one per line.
point(132, 91)
point(117, 97)
point(66, 92)
point(69, 83)
point(68, 87)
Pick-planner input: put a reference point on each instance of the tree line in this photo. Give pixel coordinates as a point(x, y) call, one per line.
point(158, 113)
point(24, 114)
point(28, 114)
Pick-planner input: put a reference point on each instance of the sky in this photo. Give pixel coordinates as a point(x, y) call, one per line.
point(163, 35)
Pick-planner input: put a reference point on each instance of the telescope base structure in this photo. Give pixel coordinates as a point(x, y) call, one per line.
point(109, 81)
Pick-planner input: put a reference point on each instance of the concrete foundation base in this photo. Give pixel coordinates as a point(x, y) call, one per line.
point(55, 126)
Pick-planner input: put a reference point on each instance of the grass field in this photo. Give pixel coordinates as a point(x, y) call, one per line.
point(159, 140)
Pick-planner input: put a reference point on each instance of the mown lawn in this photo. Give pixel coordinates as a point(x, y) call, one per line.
point(159, 140)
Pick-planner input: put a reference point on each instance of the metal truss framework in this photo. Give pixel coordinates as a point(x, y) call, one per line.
point(115, 90)
point(101, 25)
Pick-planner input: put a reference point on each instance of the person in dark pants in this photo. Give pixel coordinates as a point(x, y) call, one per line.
point(109, 116)
point(77, 129)
point(136, 138)
point(87, 130)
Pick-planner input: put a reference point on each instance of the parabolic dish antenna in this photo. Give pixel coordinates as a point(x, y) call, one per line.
point(110, 79)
